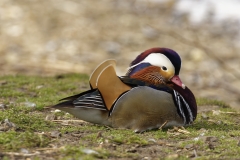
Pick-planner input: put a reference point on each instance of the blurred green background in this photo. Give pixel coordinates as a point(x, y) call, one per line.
point(53, 37)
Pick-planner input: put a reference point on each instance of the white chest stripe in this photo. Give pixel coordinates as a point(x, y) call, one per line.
point(176, 95)
point(182, 103)
point(188, 108)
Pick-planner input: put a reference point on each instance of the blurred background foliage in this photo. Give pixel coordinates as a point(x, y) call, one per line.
point(63, 36)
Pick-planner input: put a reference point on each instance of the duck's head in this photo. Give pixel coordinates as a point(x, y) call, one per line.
point(157, 65)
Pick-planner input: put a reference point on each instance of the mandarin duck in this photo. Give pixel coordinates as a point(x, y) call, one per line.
point(149, 95)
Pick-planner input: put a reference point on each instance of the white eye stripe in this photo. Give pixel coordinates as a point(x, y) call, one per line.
point(159, 60)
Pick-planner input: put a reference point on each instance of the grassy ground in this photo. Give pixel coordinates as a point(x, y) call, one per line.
point(30, 130)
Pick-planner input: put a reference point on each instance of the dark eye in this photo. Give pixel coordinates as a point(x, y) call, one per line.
point(164, 68)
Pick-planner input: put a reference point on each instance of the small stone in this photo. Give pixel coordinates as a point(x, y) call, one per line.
point(202, 130)
point(189, 146)
point(152, 140)
point(170, 144)
point(173, 156)
point(90, 151)
point(204, 116)
point(106, 141)
point(30, 104)
point(131, 150)
point(40, 86)
point(55, 134)
point(201, 134)
point(10, 124)
point(2, 106)
point(212, 121)
point(76, 134)
point(50, 117)
point(215, 112)
point(24, 151)
point(6, 125)
point(211, 139)
point(56, 111)
point(137, 146)
point(196, 138)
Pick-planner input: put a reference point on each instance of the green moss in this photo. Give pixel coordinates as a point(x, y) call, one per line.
point(45, 91)
point(40, 89)
point(205, 101)
point(13, 140)
point(24, 120)
point(126, 137)
point(79, 152)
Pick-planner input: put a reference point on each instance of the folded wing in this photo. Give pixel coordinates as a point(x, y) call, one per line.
point(110, 86)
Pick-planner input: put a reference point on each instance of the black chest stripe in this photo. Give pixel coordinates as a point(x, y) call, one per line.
point(183, 108)
point(179, 106)
point(188, 109)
